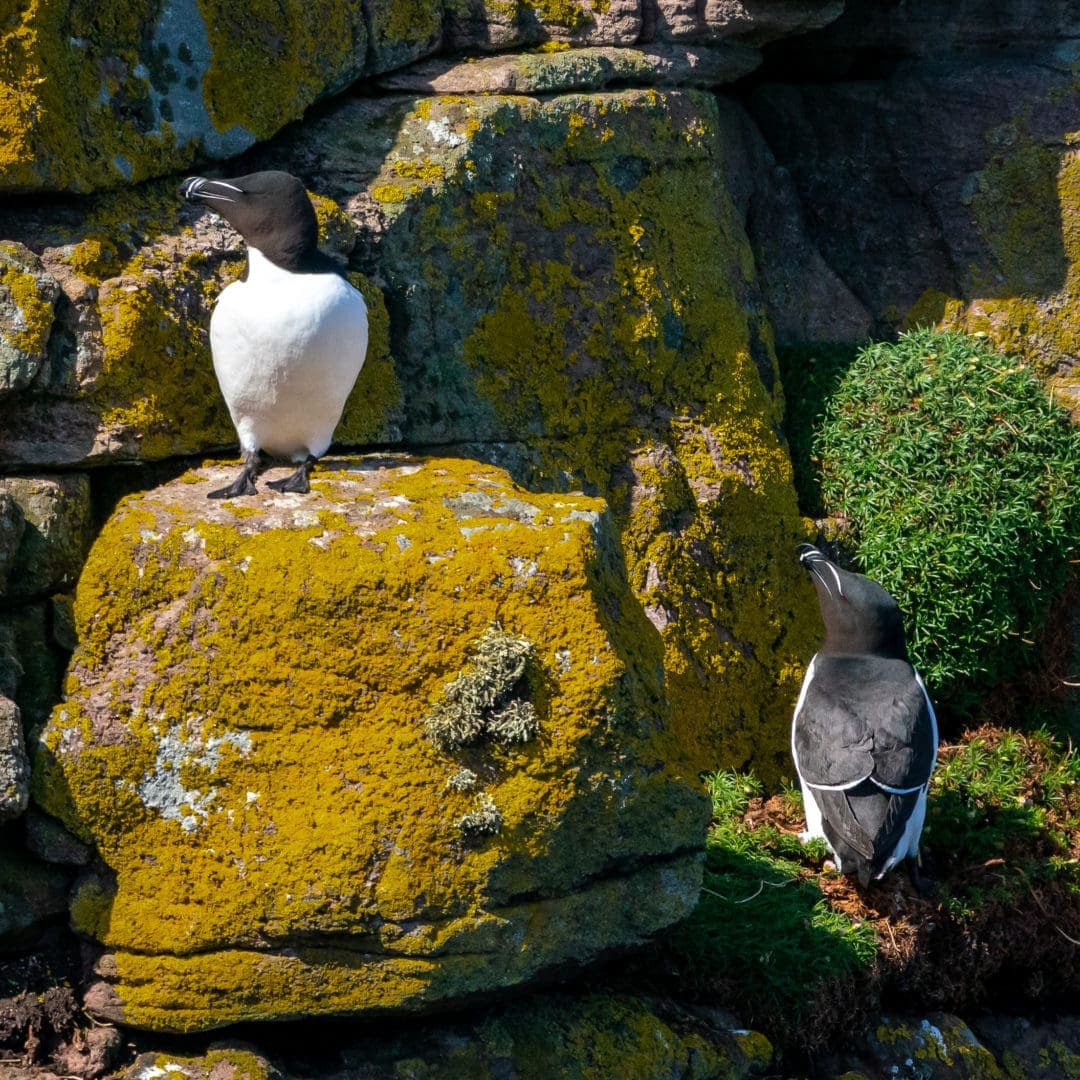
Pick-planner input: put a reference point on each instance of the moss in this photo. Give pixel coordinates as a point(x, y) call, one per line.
point(604, 343)
point(215, 718)
point(35, 313)
point(291, 53)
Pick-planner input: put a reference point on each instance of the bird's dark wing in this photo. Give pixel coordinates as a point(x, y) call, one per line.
point(860, 718)
point(864, 824)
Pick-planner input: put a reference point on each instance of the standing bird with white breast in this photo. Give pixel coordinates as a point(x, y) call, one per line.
point(864, 736)
point(289, 339)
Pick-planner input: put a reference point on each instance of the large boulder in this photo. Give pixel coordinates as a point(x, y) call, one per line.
point(400, 742)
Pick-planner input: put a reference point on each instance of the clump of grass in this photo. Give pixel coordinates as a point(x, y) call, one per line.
point(763, 938)
point(1003, 815)
point(961, 478)
point(486, 699)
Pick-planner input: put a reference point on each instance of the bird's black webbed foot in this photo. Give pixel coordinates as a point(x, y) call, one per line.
point(926, 887)
point(298, 482)
point(244, 484)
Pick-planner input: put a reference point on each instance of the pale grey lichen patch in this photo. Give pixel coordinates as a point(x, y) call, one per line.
point(483, 819)
point(164, 791)
point(181, 29)
point(481, 504)
point(462, 780)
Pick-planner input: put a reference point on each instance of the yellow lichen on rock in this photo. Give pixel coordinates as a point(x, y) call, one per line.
point(622, 334)
point(1027, 207)
point(248, 703)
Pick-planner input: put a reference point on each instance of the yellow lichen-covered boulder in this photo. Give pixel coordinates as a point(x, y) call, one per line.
point(398, 742)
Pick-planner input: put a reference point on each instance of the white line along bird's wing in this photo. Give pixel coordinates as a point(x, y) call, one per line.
point(865, 743)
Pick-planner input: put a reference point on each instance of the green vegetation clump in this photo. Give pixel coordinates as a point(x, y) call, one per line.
point(961, 479)
point(480, 700)
point(763, 937)
point(1003, 816)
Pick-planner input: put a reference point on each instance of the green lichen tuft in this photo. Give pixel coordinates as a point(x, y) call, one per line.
point(479, 701)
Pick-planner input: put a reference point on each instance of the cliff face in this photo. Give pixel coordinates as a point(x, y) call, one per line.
point(582, 231)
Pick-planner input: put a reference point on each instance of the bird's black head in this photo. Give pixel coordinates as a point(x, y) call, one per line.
point(270, 210)
point(860, 616)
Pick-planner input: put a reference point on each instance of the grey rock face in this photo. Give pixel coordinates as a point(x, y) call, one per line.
point(55, 536)
point(14, 765)
point(52, 843)
point(31, 895)
point(28, 294)
point(11, 531)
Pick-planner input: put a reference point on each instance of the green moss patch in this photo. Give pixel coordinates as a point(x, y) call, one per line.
point(764, 939)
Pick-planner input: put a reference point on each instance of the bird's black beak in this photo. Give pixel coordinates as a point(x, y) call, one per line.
point(198, 187)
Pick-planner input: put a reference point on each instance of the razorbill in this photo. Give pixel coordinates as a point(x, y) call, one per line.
point(289, 339)
point(864, 736)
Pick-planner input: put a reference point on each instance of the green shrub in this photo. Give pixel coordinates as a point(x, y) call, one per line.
point(961, 479)
point(1003, 815)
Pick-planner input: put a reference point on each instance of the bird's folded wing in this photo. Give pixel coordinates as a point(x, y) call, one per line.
point(864, 720)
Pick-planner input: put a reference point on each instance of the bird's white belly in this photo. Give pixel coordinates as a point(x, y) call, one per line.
point(287, 350)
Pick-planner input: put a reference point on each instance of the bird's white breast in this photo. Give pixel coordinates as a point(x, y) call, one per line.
point(287, 349)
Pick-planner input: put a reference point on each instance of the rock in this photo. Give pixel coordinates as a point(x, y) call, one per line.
point(935, 28)
point(31, 667)
point(92, 1052)
point(935, 1047)
point(566, 1036)
point(14, 764)
point(806, 301)
point(573, 295)
point(28, 295)
point(31, 895)
point(56, 532)
point(113, 95)
point(49, 841)
point(1039, 1050)
point(117, 95)
point(613, 338)
point(222, 1061)
point(590, 68)
point(964, 178)
point(138, 382)
point(257, 699)
point(755, 21)
point(11, 531)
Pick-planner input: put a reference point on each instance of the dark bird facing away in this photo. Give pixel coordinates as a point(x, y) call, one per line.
point(290, 338)
point(864, 736)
